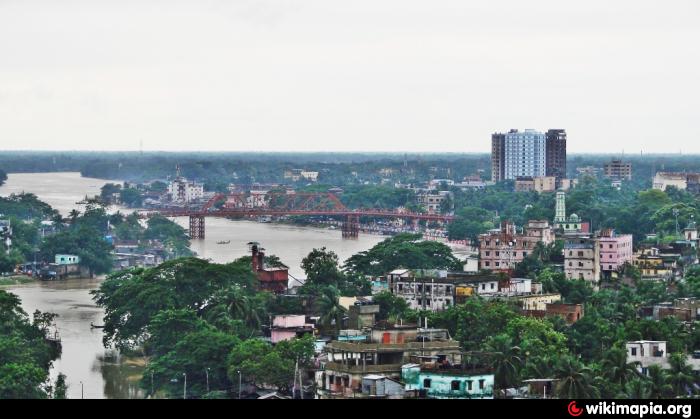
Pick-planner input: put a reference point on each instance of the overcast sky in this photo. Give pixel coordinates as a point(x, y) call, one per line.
point(350, 75)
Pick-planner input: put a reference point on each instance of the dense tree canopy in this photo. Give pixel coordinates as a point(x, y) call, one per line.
point(403, 251)
point(25, 356)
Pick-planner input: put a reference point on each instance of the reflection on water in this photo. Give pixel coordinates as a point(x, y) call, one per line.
point(121, 375)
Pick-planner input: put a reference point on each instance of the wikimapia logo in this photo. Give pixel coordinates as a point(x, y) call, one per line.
point(574, 410)
point(641, 410)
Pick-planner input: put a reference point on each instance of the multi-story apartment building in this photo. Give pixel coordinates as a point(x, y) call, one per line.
point(537, 184)
point(525, 154)
point(501, 250)
point(498, 157)
point(528, 153)
point(434, 201)
point(556, 153)
point(581, 257)
point(618, 170)
point(437, 290)
point(384, 351)
point(682, 181)
point(184, 191)
point(615, 250)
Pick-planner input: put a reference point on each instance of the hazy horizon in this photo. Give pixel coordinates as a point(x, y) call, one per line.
point(381, 76)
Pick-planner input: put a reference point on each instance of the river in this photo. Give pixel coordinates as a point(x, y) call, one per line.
point(84, 359)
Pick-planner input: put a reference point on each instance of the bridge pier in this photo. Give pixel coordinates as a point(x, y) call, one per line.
point(351, 227)
point(197, 230)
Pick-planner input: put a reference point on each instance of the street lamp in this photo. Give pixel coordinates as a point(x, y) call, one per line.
point(82, 390)
point(239, 384)
point(184, 391)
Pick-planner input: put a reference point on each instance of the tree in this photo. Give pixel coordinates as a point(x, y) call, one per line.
point(575, 380)
point(25, 356)
point(615, 368)
point(506, 361)
point(680, 375)
point(132, 298)
point(402, 251)
point(60, 390)
point(86, 242)
point(200, 354)
point(321, 267)
point(260, 363)
point(332, 312)
point(390, 306)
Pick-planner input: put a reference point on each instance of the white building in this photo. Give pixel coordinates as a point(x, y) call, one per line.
point(653, 352)
point(525, 154)
point(183, 191)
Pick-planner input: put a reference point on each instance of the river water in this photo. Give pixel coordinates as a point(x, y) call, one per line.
point(102, 373)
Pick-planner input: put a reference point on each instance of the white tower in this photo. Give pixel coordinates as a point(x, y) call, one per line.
point(560, 208)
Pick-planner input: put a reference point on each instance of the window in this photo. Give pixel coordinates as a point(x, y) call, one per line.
point(455, 385)
point(633, 351)
point(469, 385)
point(481, 384)
point(426, 383)
point(492, 286)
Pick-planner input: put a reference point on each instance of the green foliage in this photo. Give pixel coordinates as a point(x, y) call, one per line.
point(402, 251)
point(25, 356)
point(322, 272)
point(390, 306)
point(132, 298)
point(86, 242)
point(263, 364)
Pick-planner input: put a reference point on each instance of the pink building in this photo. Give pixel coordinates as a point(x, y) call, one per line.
point(290, 326)
point(615, 250)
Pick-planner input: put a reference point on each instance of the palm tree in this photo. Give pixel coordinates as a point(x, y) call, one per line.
point(660, 387)
point(539, 367)
point(73, 215)
point(638, 388)
point(575, 380)
point(506, 361)
point(615, 367)
point(680, 375)
point(331, 310)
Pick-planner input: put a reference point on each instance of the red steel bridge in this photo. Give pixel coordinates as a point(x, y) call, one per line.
point(287, 204)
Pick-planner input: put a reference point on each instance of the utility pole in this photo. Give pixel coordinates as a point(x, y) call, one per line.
point(82, 390)
point(206, 371)
point(184, 391)
point(239, 384)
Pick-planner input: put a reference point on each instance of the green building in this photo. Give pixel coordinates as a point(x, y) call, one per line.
point(447, 383)
point(67, 259)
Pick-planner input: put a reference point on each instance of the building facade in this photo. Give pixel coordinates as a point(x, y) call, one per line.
point(537, 184)
point(556, 153)
point(501, 250)
point(615, 250)
point(525, 154)
point(184, 191)
point(582, 258)
point(618, 170)
point(447, 383)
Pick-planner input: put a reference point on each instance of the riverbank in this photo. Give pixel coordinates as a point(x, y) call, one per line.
point(9, 281)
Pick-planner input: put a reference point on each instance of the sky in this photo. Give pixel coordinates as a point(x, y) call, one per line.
point(360, 75)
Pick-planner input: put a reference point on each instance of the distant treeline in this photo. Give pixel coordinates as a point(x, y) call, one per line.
point(216, 170)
